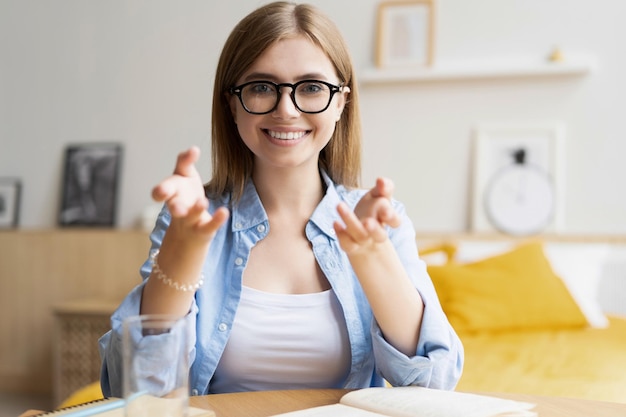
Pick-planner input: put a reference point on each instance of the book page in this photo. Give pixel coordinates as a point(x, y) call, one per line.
point(425, 402)
point(334, 410)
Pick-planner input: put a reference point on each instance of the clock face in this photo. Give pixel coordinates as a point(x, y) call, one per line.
point(520, 200)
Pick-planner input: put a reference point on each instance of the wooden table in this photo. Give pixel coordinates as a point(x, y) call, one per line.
point(266, 403)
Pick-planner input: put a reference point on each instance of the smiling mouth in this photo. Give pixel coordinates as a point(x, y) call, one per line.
point(286, 135)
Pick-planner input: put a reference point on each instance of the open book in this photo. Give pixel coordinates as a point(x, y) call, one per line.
point(417, 402)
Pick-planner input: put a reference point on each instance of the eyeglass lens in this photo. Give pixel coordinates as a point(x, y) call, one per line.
point(308, 96)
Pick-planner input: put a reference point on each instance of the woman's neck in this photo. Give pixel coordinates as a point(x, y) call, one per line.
point(297, 191)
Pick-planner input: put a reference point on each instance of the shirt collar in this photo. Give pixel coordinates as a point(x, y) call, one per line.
point(249, 211)
point(325, 213)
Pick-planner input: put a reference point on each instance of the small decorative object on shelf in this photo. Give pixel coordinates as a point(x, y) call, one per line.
point(10, 190)
point(556, 55)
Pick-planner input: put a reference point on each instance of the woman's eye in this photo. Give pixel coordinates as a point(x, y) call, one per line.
point(311, 88)
point(261, 89)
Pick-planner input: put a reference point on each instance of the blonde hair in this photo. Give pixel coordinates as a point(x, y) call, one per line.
point(232, 161)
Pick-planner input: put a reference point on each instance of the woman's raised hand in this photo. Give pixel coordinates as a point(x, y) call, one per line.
point(366, 225)
point(376, 204)
point(183, 193)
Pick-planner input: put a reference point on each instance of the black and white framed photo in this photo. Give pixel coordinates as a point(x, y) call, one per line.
point(10, 190)
point(90, 184)
point(405, 33)
point(518, 178)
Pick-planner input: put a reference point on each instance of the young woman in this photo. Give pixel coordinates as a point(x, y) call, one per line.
point(291, 276)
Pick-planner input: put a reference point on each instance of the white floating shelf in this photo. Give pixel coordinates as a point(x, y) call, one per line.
point(469, 71)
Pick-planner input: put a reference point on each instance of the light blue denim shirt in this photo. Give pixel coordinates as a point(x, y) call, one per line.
point(437, 362)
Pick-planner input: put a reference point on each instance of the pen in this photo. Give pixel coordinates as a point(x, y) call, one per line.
point(88, 409)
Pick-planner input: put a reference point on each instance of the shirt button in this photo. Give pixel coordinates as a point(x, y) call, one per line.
point(332, 232)
point(194, 392)
point(238, 225)
point(239, 261)
point(260, 228)
point(222, 327)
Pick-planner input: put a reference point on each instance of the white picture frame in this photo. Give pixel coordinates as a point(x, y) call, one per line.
point(405, 33)
point(494, 144)
point(10, 192)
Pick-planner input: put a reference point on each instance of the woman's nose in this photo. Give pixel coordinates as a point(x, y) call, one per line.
point(286, 108)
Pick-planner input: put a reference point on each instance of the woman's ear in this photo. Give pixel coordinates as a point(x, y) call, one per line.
point(341, 102)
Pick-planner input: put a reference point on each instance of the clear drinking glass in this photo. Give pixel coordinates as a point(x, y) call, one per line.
point(156, 366)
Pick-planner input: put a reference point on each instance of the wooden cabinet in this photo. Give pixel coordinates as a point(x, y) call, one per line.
point(78, 326)
point(40, 270)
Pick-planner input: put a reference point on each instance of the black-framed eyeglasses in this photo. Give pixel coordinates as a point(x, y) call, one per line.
point(262, 97)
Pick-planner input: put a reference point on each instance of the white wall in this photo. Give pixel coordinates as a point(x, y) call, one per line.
point(140, 72)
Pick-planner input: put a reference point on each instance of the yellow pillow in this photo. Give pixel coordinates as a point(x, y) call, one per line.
point(88, 393)
point(514, 290)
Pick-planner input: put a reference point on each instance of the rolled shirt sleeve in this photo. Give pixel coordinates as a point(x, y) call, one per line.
point(112, 351)
point(438, 360)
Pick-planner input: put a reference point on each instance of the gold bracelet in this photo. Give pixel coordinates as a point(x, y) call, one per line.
point(160, 275)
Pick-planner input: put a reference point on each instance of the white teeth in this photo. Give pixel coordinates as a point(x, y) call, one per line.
point(286, 135)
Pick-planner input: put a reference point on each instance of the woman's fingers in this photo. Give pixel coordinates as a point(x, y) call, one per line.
point(387, 215)
point(353, 226)
point(361, 231)
point(375, 230)
point(219, 218)
point(383, 188)
point(184, 196)
point(165, 189)
point(185, 162)
point(184, 187)
point(355, 234)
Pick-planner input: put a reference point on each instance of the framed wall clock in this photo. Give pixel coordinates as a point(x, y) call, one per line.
point(518, 179)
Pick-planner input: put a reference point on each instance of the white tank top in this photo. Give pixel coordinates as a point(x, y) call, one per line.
point(284, 341)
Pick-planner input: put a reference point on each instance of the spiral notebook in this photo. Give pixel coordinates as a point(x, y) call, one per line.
point(109, 407)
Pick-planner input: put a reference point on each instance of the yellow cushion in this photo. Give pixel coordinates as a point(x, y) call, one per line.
point(83, 395)
point(514, 290)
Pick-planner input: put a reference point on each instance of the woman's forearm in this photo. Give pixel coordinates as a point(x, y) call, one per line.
point(171, 286)
point(397, 305)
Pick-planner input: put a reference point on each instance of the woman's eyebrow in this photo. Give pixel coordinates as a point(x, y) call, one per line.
point(259, 76)
point(271, 77)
